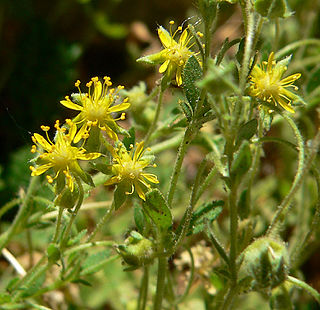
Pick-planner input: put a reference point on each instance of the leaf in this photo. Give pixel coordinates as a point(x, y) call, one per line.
point(76, 240)
point(243, 205)
point(242, 160)
point(314, 81)
point(139, 218)
point(4, 298)
point(239, 55)
point(127, 141)
point(207, 212)
point(82, 281)
point(34, 287)
point(192, 72)
point(247, 130)
point(120, 195)
point(157, 209)
point(225, 46)
point(186, 109)
point(95, 262)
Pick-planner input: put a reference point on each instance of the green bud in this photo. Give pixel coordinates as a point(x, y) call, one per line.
point(272, 8)
point(53, 253)
point(137, 250)
point(266, 261)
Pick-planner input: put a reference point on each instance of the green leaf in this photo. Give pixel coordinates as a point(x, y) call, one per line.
point(82, 281)
point(239, 55)
point(247, 130)
point(242, 160)
point(120, 195)
point(139, 218)
point(95, 262)
point(192, 72)
point(225, 47)
point(157, 209)
point(243, 205)
point(207, 212)
point(272, 8)
point(67, 199)
point(77, 238)
point(127, 141)
point(34, 287)
point(93, 142)
point(314, 81)
point(186, 109)
point(104, 168)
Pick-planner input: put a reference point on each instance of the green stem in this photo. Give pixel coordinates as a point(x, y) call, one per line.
point(177, 167)
point(143, 292)
point(232, 293)
point(298, 177)
point(6, 207)
point(162, 268)
point(248, 44)
point(156, 118)
point(233, 233)
point(290, 47)
point(167, 144)
point(102, 222)
point(84, 246)
point(23, 210)
point(277, 34)
point(74, 213)
point(206, 182)
point(58, 225)
point(315, 294)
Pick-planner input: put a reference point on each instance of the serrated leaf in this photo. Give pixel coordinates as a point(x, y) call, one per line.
point(186, 109)
point(95, 262)
point(225, 47)
point(157, 209)
point(247, 130)
point(53, 253)
point(192, 72)
point(207, 212)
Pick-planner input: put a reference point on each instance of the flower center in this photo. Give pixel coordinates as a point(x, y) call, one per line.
point(176, 53)
point(62, 155)
point(95, 112)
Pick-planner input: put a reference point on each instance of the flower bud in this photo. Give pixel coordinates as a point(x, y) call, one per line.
point(137, 250)
point(266, 261)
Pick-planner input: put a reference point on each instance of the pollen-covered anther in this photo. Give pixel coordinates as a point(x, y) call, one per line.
point(49, 179)
point(45, 128)
point(123, 116)
point(171, 22)
point(89, 84)
point(95, 79)
point(131, 146)
point(200, 34)
point(120, 87)
point(77, 83)
point(179, 28)
point(33, 149)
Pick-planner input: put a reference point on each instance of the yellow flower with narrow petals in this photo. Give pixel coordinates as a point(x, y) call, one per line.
point(128, 169)
point(60, 155)
point(267, 85)
point(175, 53)
point(96, 108)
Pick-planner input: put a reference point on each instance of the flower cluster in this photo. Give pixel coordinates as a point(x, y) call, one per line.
point(267, 85)
point(96, 108)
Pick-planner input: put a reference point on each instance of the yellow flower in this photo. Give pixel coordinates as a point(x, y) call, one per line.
point(59, 155)
point(267, 85)
point(128, 169)
point(96, 108)
point(175, 53)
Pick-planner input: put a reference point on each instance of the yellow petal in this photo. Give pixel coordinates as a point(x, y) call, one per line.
point(164, 66)
point(69, 104)
point(183, 37)
point(111, 181)
point(80, 133)
point(43, 142)
point(270, 62)
point(72, 131)
point(290, 79)
point(111, 133)
point(41, 169)
point(284, 104)
point(119, 107)
point(178, 76)
point(88, 156)
point(165, 37)
point(150, 177)
point(139, 191)
point(138, 151)
point(97, 90)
